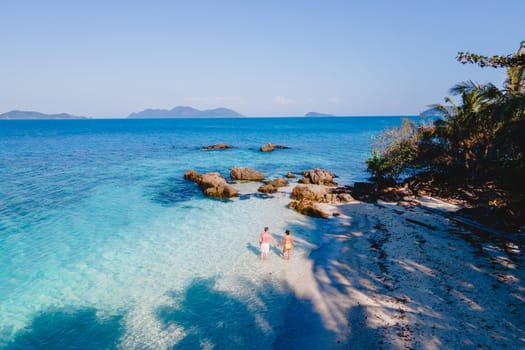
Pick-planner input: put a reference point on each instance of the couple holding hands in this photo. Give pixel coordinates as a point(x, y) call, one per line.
point(266, 237)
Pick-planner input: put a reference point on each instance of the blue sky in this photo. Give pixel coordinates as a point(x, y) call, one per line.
point(261, 58)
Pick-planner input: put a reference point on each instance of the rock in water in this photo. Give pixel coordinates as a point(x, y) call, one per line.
point(248, 174)
point(270, 147)
point(214, 185)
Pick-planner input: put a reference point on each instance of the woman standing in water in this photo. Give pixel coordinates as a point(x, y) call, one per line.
point(287, 244)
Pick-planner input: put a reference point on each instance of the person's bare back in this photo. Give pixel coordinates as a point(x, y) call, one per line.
point(264, 241)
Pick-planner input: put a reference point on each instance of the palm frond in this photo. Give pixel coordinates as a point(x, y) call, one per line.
point(463, 87)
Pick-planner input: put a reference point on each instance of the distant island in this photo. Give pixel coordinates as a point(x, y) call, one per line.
point(315, 114)
point(37, 115)
point(185, 112)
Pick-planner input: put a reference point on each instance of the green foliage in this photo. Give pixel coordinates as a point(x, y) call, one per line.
point(481, 138)
point(379, 168)
point(394, 152)
point(492, 61)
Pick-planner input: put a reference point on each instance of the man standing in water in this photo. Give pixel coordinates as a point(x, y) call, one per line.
point(264, 241)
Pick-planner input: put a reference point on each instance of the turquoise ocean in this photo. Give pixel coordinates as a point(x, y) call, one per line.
point(103, 245)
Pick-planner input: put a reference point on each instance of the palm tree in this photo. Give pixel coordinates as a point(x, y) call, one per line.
point(467, 128)
point(482, 137)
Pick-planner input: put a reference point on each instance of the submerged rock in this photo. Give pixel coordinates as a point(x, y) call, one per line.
point(248, 174)
point(270, 147)
point(217, 146)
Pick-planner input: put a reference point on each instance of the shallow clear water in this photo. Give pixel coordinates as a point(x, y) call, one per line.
point(104, 245)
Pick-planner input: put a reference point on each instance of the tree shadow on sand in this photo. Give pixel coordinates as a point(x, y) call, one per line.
point(412, 297)
point(69, 329)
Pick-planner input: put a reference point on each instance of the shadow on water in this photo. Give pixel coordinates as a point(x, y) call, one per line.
point(216, 320)
point(211, 318)
point(253, 248)
point(276, 250)
point(65, 329)
point(257, 195)
point(257, 251)
point(208, 318)
point(172, 191)
point(338, 308)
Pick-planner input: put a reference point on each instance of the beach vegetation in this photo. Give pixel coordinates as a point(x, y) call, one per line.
point(476, 141)
point(395, 151)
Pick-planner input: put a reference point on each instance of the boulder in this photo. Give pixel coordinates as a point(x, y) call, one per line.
point(318, 177)
point(309, 208)
point(343, 198)
point(214, 185)
point(341, 194)
point(308, 192)
point(290, 176)
point(321, 194)
point(392, 194)
point(268, 188)
point(279, 182)
point(248, 174)
point(191, 175)
point(270, 147)
point(217, 146)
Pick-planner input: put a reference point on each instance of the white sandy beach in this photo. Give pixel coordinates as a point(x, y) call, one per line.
point(382, 280)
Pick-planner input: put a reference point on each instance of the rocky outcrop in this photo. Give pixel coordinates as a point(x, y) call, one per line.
point(279, 182)
point(321, 194)
point(395, 194)
point(270, 147)
point(271, 186)
point(308, 193)
point(318, 177)
point(212, 184)
point(191, 175)
point(217, 146)
point(267, 189)
point(371, 192)
point(307, 199)
point(247, 174)
point(364, 190)
point(309, 208)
